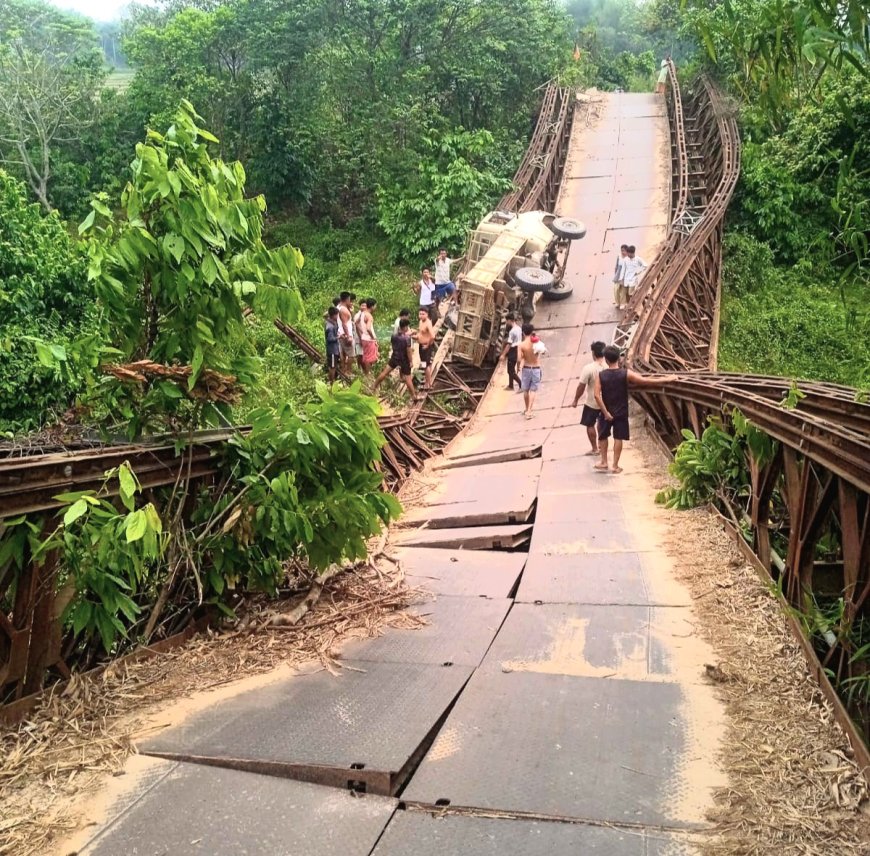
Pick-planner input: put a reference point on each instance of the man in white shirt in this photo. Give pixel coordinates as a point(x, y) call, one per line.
point(425, 288)
point(591, 411)
point(620, 296)
point(634, 267)
point(511, 350)
point(444, 285)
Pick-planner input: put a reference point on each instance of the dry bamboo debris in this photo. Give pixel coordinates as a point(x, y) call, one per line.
point(210, 385)
point(67, 747)
point(794, 789)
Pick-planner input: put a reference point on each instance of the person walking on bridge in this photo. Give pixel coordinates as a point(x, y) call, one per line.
point(586, 386)
point(634, 267)
point(611, 394)
point(530, 349)
point(620, 294)
point(511, 350)
point(400, 358)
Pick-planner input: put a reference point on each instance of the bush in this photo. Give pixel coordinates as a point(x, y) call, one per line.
point(43, 294)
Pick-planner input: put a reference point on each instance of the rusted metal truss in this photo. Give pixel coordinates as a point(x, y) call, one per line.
point(806, 514)
point(537, 180)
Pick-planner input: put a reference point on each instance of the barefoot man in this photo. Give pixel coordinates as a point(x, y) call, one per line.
point(611, 394)
point(530, 368)
point(400, 358)
point(586, 386)
point(426, 345)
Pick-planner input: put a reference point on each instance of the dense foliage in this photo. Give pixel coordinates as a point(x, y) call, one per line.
point(43, 295)
point(796, 273)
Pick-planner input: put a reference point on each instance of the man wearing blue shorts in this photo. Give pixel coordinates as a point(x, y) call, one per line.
point(530, 368)
point(444, 285)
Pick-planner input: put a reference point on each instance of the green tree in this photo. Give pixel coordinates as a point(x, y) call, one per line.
point(175, 270)
point(51, 69)
point(451, 187)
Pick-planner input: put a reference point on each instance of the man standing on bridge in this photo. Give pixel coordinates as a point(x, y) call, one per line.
point(511, 350)
point(530, 367)
point(586, 386)
point(426, 346)
point(444, 285)
point(611, 394)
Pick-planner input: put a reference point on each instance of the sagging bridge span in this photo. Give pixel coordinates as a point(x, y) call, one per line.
point(805, 519)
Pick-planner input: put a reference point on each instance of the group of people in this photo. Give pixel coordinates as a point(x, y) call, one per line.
point(626, 275)
point(350, 335)
point(604, 385)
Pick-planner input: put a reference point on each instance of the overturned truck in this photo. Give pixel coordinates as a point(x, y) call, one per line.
point(512, 261)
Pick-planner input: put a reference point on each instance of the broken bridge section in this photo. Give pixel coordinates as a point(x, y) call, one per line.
point(556, 685)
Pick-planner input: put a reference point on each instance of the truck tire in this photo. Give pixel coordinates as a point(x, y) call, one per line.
point(568, 227)
point(560, 291)
point(534, 279)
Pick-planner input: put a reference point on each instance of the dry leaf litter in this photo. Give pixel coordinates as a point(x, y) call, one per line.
point(794, 788)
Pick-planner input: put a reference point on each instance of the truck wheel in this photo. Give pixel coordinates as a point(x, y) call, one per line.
point(561, 291)
point(534, 279)
point(568, 227)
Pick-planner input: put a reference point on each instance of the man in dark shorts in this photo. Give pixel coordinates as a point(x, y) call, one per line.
point(611, 394)
point(400, 358)
point(426, 344)
point(586, 386)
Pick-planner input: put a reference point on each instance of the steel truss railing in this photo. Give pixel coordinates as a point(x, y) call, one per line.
point(806, 513)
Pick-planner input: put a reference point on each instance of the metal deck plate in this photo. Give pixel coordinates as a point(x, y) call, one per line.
point(562, 747)
point(602, 578)
point(414, 833)
point(533, 450)
point(358, 717)
point(559, 539)
point(581, 506)
point(513, 504)
point(459, 630)
point(197, 809)
point(469, 573)
point(573, 639)
point(484, 482)
point(468, 538)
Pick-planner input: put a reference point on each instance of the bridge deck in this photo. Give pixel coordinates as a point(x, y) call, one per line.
point(564, 684)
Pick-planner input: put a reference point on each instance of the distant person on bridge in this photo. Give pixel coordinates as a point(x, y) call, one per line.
point(634, 267)
point(444, 285)
point(591, 412)
point(620, 295)
point(426, 346)
point(530, 367)
point(662, 81)
point(511, 350)
point(345, 330)
point(367, 336)
point(611, 394)
point(333, 350)
point(400, 358)
point(425, 289)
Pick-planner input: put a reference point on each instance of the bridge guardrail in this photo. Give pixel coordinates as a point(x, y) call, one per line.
point(806, 513)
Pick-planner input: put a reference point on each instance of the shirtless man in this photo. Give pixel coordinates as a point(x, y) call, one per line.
point(530, 369)
point(345, 330)
point(426, 345)
point(611, 394)
point(368, 340)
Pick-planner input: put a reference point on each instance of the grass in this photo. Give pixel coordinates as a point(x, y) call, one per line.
point(353, 258)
